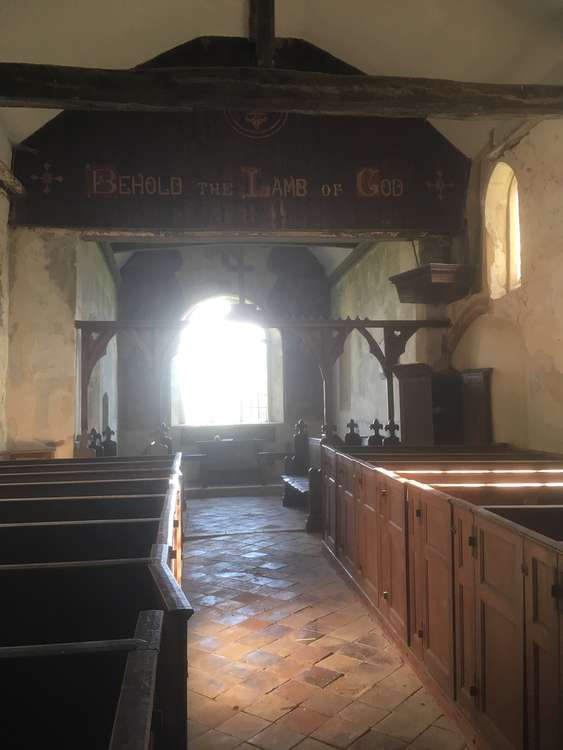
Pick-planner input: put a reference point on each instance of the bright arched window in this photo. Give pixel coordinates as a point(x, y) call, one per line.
point(502, 228)
point(220, 371)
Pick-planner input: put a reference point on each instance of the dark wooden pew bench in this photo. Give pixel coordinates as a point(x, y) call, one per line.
point(66, 541)
point(84, 487)
point(302, 477)
point(90, 695)
point(39, 509)
point(96, 603)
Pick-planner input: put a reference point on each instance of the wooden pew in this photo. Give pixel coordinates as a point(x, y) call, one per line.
point(69, 603)
point(92, 695)
point(65, 541)
point(453, 580)
point(40, 509)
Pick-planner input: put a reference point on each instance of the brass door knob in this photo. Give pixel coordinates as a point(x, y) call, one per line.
point(387, 595)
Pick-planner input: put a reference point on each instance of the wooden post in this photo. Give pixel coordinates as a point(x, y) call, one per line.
point(262, 30)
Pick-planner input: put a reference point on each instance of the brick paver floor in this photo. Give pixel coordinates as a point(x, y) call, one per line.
point(282, 654)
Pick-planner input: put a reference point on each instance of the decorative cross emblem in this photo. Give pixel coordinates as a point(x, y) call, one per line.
point(47, 178)
point(439, 185)
point(352, 426)
point(236, 265)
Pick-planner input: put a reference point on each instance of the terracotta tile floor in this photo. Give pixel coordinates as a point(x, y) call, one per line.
point(282, 654)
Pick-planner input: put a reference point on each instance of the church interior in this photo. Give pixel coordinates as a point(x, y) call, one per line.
point(281, 383)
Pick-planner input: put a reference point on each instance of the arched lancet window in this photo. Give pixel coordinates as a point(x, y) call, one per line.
point(220, 371)
point(502, 226)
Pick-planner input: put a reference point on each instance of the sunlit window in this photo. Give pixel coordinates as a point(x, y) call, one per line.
point(502, 225)
point(220, 372)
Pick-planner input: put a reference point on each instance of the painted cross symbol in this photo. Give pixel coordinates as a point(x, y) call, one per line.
point(439, 186)
point(47, 178)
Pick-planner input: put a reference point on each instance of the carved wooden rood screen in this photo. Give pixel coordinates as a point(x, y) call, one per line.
point(324, 339)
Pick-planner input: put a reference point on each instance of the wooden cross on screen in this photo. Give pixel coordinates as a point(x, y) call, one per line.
point(262, 30)
point(235, 263)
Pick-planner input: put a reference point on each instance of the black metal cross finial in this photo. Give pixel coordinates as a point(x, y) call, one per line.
point(262, 30)
point(237, 266)
point(352, 425)
point(376, 438)
point(352, 437)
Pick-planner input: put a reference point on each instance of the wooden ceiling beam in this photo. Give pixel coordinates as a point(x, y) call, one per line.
point(268, 89)
point(262, 30)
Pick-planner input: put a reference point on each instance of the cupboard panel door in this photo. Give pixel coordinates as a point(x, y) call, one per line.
point(350, 534)
point(500, 613)
point(330, 513)
point(369, 569)
point(542, 648)
point(368, 536)
point(434, 524)
point(465, 608)
point(431, 584)
point(397, 568)
point(340, 516)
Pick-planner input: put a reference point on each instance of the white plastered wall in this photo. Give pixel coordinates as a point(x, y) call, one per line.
point(520, 336)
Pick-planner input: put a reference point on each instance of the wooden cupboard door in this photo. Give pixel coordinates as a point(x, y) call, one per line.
point(393, 559)
point(433, 582)
point(340, 517)
point(542, 647)
point(368, 534)
point(350, 532)
point(465, 550)
point(329, 521)
point(500, 637)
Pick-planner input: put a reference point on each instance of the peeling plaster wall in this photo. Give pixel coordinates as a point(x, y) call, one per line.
point(96, 299)
point(365, 291)
point(520, 334)
point(41, 372)
point(6, 157)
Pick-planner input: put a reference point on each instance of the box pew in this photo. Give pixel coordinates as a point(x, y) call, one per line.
point(40, 509)
point(508, 576)
point(69, 603)
point(84, 487)
point(82, 475)
point(93, 695)
point(416, 552)
point(65, 541)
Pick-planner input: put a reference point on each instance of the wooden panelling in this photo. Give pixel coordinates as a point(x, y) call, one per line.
point(329, 512)
point(368, 535)
point(500, 602)
point(432, 621)
point(392, 556)
point(474, 594)
point(542, 647)
point(464, 608)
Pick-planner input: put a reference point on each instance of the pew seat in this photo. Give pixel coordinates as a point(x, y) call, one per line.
point(296, 491)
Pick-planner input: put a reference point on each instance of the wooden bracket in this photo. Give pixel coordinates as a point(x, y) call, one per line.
point(9, 182)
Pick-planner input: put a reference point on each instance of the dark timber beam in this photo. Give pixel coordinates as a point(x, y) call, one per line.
point(268, 89)
point(262, 30)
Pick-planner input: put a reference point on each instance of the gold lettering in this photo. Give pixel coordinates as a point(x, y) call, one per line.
point(162, 190)
point(150, 185)
point(104, 181)
point(137, 184)
point(277, 187)
point(124, 184)
point(301, 187)
point(253, 190)
point(176, 186)
point(366, 183)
